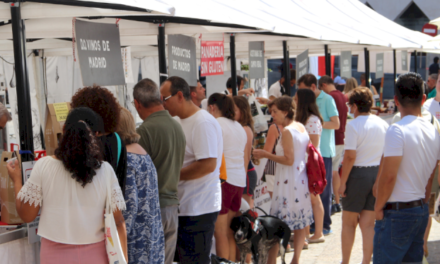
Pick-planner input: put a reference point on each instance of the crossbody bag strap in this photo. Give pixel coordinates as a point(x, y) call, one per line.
point(118, 139)
point(278, 138)
point(108, 202)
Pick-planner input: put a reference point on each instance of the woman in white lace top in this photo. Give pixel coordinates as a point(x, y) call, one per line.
point(70, 189)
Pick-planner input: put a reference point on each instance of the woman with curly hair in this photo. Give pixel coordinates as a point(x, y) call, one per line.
point(102, 101)
point(145, 235)
point(71, 190)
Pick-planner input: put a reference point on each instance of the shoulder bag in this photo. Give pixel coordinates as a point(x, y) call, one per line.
point(112, 243)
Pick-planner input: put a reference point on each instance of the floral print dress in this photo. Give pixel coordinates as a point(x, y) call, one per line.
point(145, 237)
point(291, 198)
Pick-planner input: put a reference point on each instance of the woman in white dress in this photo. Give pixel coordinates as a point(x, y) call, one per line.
point(307, 113)
point(291, 198)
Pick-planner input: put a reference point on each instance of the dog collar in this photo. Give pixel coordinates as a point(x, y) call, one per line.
point(241, 243)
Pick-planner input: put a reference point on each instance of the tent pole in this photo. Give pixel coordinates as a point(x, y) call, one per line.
point(415, 61)
point(326, 58)
point(21, 77)
point(233, 65)
point(327, 61)
point(367, 67)
point(161, 51)
point(394, 67)
point(286, 68)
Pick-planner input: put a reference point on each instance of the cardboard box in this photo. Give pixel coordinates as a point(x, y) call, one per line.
point(7, 193)
point(56, 116)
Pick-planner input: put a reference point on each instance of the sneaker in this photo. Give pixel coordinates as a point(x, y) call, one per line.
point(327, 232)
point(336, 208)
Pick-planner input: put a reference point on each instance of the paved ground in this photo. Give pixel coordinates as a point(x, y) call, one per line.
point(330, 251)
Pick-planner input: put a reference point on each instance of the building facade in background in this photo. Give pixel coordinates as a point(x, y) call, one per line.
point(412, 14)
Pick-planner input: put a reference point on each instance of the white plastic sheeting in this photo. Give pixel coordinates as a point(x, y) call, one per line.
point(18, 252)
point(8, 77)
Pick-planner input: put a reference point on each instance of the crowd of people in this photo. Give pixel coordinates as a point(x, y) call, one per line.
point(179, 179)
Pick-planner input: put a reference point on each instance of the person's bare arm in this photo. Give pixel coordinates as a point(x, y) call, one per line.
point(27, 212)
point(247, 91)
point(429, 185)
point(263, 100)
point(122, 231)
point(387, 180)
point(198, 169)
point(332, 124)
point(287, 158)
point(271, 138)
point(248, 147)
point(374, 89)
point(314, 139)
point(377, 177)
point(347, 165)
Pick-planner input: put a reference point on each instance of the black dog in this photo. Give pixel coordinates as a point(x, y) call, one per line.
point(259, 235)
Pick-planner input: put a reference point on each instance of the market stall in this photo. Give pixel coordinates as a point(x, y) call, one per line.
point(41, 65)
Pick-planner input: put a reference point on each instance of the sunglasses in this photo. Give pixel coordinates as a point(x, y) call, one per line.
point(168, 97)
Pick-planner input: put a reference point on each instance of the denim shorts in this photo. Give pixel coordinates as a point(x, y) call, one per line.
point(399, 235)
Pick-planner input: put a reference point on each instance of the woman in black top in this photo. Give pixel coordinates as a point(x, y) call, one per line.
point(102, 101)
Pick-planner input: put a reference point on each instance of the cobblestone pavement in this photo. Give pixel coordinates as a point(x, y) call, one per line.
point(329, 252)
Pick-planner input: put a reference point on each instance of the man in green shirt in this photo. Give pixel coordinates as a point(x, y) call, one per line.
point(163, 139)
point(430, 84)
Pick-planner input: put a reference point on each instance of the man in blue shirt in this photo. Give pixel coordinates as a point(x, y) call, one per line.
point(330, 115)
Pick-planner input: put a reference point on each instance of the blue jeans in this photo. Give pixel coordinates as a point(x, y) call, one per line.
point(399, 236)
point(326, 196)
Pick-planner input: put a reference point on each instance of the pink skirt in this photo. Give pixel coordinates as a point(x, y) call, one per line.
point(55, 253)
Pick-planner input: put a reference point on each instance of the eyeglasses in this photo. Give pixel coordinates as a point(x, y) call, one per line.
point(168, 97)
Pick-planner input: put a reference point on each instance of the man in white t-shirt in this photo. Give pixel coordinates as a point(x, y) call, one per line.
point(198, 93)
point(433, 104)
point(277, 89)
point(199, 187)
point(411, 153)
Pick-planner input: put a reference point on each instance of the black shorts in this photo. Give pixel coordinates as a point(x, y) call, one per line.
point(251, 183)
point(194, 238)
point(359, 189)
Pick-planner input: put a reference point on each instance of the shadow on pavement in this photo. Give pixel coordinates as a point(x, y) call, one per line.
point(434, 252)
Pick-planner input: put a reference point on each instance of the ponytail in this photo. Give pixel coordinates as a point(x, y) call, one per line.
point(224, 103)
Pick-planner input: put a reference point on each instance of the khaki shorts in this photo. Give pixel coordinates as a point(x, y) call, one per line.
point(337, 159)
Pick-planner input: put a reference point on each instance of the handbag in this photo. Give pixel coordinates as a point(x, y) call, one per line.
point(112, 243)
point(270, 168)
point(315, 171)
point(260, 122)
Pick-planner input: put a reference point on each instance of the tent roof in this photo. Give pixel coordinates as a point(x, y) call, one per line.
point(341, 24)
point(125, 5)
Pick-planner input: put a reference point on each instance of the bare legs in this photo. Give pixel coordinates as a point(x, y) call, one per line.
point(249, 200)
point(224, 237)
point(350, 221)
point(298, 244)
point(366, 223)
point(318, 215)
point(336, 184)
